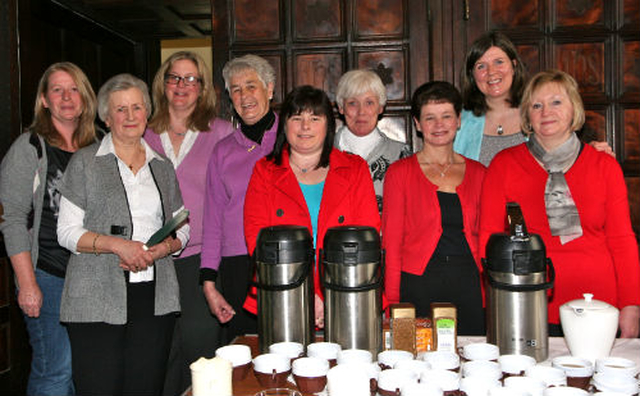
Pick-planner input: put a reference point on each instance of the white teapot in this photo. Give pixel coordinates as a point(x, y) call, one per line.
point(589, 327)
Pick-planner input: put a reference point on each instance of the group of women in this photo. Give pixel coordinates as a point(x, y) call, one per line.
point(79, 208)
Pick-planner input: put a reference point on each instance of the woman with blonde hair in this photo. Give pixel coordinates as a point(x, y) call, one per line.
point(184, 127)
point(30, 176)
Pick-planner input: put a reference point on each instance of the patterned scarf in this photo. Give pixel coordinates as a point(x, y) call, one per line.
point(564, 220)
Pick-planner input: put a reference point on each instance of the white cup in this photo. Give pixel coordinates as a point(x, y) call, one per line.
point(417, 366)
point(348, 379)
point(420, 389)
point(605, 393)
point(445, 379)
point(551, 376)
point(387, 359)
point(578, 370)
point(515, 364)
point(617, 366)
point(480, 351)
point(478, 385)
point(442, 360)
point(508, 391)
point(325, 350)
point(354, 356)
point(603, 381)
point(211, 377)
point(565, 391)
point(237, 354)
point(310, 373)
point(292, 350)
point(482, 368)
point(534, 386)
point(393, 380)
point(268, 362)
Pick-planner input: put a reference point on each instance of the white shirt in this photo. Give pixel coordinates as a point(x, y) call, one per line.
point(143, 198)
point(185, 147)
point(360, 145)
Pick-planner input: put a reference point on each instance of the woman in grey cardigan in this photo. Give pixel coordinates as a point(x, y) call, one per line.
point(30, 175)
point(120, 297)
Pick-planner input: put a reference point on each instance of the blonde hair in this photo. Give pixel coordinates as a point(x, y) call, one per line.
point(358, 82)
point(205, 109)
point(42, 124)
point(565, 81)
point(263, 69)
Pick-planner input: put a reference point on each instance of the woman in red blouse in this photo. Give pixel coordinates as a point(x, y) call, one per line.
point(571, 195)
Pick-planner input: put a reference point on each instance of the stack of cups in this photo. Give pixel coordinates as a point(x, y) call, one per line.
point(448, 381)
point(614, 374)
point(515, 365)
point(481, 351)
point(349, 379)
point(271, 369)
point(443, 360)
point(391, 381)
point(415, 366)
point(534, 386)
point(551, 376)
point(578, 370)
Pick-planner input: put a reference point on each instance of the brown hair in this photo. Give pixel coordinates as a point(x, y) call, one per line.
point(205, 109)
point(564, 80)
point(85, 133)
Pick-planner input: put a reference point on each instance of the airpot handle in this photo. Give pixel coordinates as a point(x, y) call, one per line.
point(517, 227)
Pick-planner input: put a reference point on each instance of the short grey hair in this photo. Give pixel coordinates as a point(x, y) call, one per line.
point(121, 82)
point(360, 81)
point(263, 69)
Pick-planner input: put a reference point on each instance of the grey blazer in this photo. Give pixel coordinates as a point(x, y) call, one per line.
point(95, 286)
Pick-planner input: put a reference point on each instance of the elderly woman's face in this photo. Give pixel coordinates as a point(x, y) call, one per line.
point(438, 123)
point(62, 97)
point(551, 114)
point(127, 117)
point(182, 96)
point(306, 132)
point(361, 113)
point(250, 96)
point(493, 73)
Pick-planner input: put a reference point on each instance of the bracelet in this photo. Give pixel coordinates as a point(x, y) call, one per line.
point(95, 251)
point(168, 247)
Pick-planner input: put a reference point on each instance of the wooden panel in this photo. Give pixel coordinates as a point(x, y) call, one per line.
point(515, 13)
point(632, 14)
point(585, 62)
point(595, 126)
point(579, 12)
point(391, 66)
point(531, 56)
point(322, 70)
point(631, 138)
point(631, 67)
point(317, 20)
point(256, 20)
point(379, 18)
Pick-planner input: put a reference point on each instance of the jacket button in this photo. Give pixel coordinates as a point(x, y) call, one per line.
point(341, 219)
point(279, 212)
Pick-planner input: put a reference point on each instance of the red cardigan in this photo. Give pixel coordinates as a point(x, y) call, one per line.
point(411, 218)
point(274, 197)
point(604, 260)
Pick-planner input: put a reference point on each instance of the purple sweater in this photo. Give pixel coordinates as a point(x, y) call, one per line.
point(229, 171)
point(192, 176)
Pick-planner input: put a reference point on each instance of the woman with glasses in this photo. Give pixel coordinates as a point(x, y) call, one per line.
point(184, 127)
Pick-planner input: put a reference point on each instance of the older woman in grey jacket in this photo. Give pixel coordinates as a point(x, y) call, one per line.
point(120, 296)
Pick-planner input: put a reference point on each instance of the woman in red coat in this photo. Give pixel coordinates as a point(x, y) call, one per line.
point(305, 181)
point(574, 197)
point(430, 215)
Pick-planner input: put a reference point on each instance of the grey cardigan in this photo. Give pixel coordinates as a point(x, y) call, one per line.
point(95, 286)
point(23, 174)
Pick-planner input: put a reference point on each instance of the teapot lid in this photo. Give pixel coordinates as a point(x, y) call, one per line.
point(588, 303)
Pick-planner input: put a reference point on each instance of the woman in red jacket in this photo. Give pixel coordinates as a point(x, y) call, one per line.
point(430, 215)
point(305, 181)
point(574, 197)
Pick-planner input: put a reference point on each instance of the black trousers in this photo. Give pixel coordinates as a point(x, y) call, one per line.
point(197, 331)
point(234, 275)
point(129, 359)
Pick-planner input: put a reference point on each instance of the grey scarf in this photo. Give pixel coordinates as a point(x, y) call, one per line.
point(562, 213)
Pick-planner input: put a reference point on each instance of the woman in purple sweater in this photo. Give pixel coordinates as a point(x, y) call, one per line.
point(184, 127)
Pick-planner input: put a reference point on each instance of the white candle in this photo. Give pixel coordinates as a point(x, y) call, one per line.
point(211, 377)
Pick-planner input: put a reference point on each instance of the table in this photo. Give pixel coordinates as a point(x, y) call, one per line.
point(623, 347)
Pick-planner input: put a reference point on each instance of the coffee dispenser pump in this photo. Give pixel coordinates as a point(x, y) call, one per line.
point(518, 275)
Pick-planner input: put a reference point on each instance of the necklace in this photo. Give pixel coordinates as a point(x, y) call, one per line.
point(441, 170)
point(182, 134)
point(303, 170)
point(500, 130)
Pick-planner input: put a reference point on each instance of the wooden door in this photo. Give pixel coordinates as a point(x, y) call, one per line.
point(596, 41)
point(315, 41)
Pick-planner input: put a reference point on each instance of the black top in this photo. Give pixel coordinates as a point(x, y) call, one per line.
point(52, 257)
point(452, 242)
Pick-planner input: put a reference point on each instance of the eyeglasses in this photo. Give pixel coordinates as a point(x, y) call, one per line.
point(172, 79)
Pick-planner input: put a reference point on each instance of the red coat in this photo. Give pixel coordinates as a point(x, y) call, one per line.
point(274, 197)
point(604, 260)
point(412, 222)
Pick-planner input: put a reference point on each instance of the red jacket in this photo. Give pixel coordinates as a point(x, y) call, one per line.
point(411, 218)
point(274, 197)
point(604, 260)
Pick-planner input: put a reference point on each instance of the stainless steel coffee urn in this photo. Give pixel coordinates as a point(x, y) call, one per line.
point(518, 274)
point(351, 275)
point(284, 258)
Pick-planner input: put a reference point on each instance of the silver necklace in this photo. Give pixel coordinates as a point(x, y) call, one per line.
point(443, 168)
point(303, 170)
